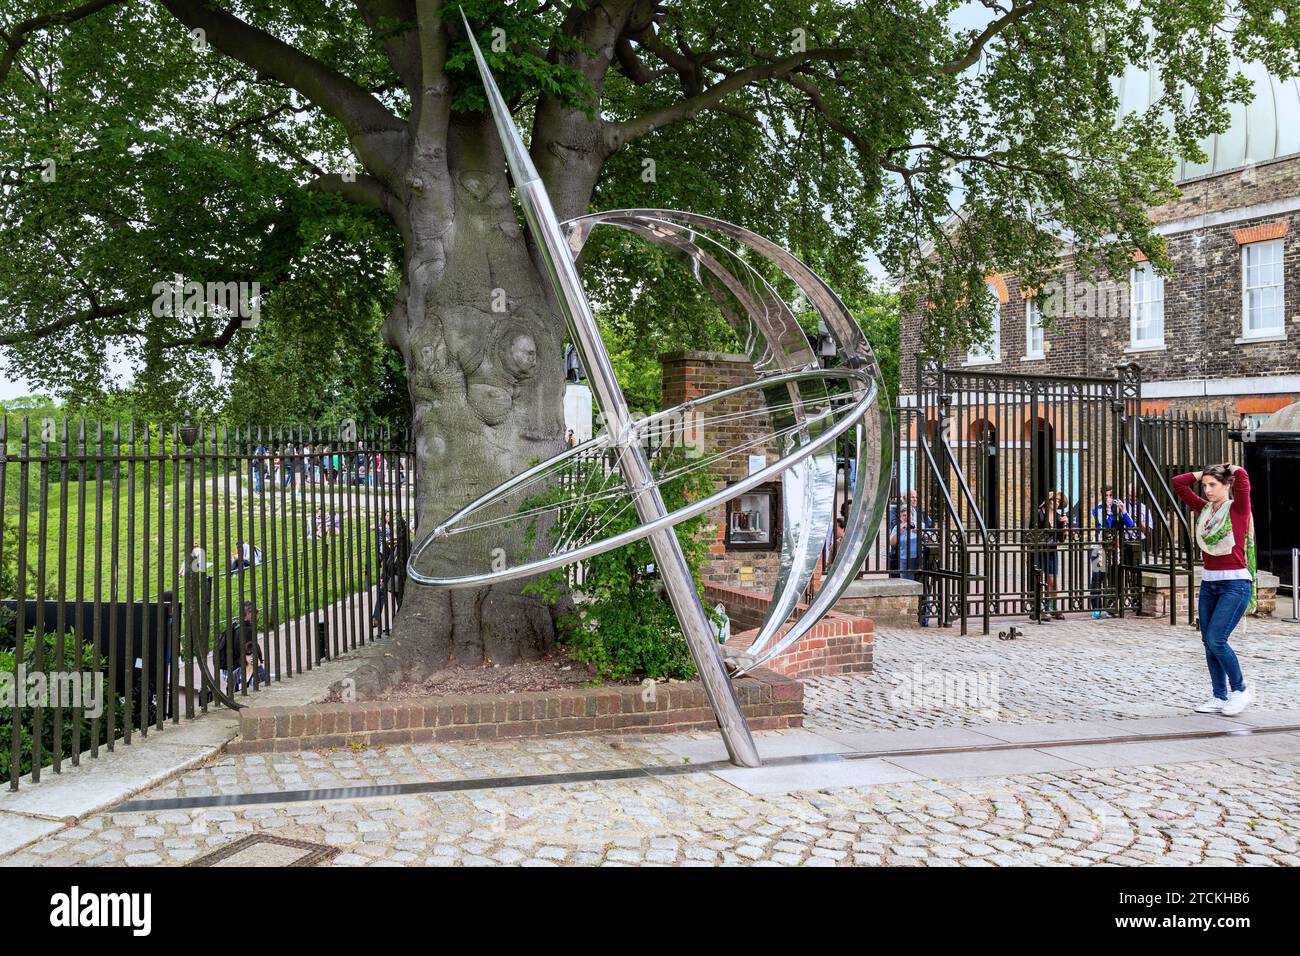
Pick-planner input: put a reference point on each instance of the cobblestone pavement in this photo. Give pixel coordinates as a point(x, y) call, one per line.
point(1228, 811)
point(1245, 811)
point(1078, 669)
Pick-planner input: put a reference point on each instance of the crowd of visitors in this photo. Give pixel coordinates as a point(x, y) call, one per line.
point(298, 466)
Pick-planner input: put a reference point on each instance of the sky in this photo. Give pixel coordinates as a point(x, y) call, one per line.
point(13, 387)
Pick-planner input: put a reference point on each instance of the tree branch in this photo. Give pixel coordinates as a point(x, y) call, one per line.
point(17, 37)
point(819, 103)
point(433, 105)
point(711, 98)
point(633, 68)
point(986, 36)
point(362, 189)
point(403, 46)
point(371, 128)
point(92, 314)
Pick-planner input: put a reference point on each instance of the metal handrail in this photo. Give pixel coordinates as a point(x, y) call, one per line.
point(961, 531)
point(979, 520)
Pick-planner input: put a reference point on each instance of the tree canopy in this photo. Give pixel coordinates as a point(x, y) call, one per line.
point(258, 141)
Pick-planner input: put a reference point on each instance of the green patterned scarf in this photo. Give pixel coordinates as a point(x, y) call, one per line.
point(1214, 536)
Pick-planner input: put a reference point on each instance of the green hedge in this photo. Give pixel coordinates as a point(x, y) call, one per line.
point(27, 715)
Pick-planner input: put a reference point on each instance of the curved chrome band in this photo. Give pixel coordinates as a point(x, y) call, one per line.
point(849, 420)
point(775, 342)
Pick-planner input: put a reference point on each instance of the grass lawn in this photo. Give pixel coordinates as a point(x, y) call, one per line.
point(130, 544)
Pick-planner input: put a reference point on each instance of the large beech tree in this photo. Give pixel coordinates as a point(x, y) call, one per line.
point(338, 151)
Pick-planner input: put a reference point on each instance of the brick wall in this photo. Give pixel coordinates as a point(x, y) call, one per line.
point(768, 700)
point(692, 375)
point(840, 643)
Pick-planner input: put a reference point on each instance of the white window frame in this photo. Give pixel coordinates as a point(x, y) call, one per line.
point(1032, 310)
point(991, 355)
point(1270, 332)
point(1150, 279)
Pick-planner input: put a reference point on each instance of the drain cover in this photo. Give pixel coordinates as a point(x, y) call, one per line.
point(265, 850)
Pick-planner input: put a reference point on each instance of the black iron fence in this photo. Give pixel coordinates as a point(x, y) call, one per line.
point(147, 573)
point(1039, 495)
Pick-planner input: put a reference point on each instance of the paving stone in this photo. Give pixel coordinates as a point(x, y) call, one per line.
point(1221, 805)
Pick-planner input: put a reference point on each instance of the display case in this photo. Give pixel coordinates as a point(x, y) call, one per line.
point(754, 519)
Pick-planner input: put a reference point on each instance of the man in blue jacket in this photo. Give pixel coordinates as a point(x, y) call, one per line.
point(1103, 556)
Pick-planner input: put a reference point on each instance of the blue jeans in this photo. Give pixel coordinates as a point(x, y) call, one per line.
point(1221, 605)
point(911, 570)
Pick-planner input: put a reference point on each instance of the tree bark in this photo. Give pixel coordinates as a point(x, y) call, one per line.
point(483, 348)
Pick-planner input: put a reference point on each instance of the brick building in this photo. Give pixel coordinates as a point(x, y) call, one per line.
point(1222, 331)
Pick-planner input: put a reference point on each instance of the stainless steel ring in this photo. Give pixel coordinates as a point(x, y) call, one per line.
point(528, 569)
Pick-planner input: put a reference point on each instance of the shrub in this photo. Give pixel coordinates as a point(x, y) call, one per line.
point(27, 715)
point(624, 625)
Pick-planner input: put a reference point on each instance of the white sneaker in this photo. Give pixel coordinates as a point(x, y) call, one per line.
point(1211, 706)
point(1238, 700)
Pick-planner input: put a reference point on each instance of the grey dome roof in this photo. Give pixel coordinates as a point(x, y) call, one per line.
point(1266, 128)
point(1285, 419)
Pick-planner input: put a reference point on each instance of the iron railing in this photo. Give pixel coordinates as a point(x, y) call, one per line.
point(148, 573)
point(986, 448)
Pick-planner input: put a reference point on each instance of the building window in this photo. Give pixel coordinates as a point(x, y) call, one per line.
point(1261, 289)
point(991, 349)
point(1033, 329)
point(1146, 307)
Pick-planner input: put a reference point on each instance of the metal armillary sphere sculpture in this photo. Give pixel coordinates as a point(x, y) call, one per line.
point(562, 510)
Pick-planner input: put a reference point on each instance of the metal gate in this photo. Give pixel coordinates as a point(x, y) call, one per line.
point(1047, 495)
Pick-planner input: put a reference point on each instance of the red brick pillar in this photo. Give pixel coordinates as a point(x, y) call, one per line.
point(691, 375)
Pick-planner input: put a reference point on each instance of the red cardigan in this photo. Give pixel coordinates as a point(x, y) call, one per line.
point(1240, 514)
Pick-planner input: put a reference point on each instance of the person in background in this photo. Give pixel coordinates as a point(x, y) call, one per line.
point(1226, 536)
point(402, 551)
point(387, 555)
point(910, 510)
point(842, 522)
point(1140, 514)
point(258, 467)
point(1109, 514)
point(905, 542)
point(1053, 523)
point(1135, 538)
point(236, 654)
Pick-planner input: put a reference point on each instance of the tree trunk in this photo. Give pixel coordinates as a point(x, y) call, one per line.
point(484, 358)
